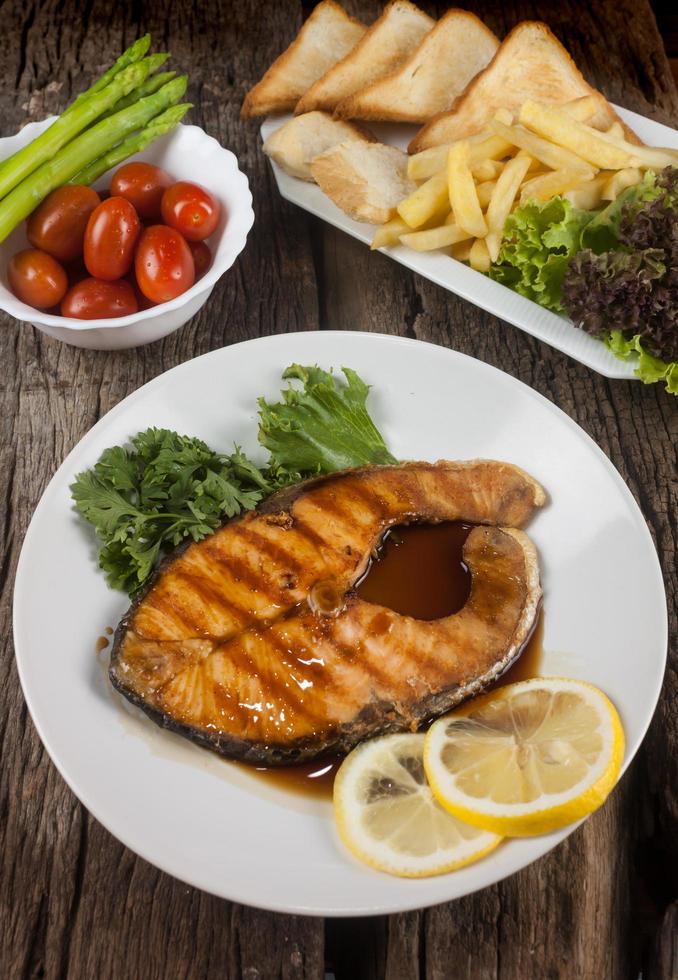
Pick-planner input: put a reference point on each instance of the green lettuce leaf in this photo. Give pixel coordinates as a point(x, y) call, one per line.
point(539, 239)
point(323, 426)
point(650, 369)
point(602, 233)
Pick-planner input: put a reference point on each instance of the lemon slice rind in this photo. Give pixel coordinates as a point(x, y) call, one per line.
point(552, 810)
point(370, 760)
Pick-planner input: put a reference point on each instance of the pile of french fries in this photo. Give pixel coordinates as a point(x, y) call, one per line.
point(468, 189)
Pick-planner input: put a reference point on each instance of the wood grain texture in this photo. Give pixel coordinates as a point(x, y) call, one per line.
point(73, 901)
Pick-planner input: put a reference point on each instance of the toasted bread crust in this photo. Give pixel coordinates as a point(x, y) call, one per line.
point(272, 94)
point(317, 96)
point(381, 101)
point(464, 119)
point(297, 142)
point(365, 180)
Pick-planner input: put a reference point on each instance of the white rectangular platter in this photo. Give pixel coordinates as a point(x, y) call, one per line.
point(458, 278)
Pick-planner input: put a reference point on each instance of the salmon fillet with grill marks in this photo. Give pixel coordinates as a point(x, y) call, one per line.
point(254, 643)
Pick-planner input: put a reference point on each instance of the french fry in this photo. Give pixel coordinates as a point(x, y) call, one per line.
point(616, 130)
point(427, 241)
point(462, 250)
point(588, 143)
point(549, 185)
point(553, 156)
point(486, 170)
point(423, 203)
point(536, 166)
point(619, 181)
point(501, 202)
point(462, 190)
point(641, 156)
point(581, 109)
point(389, 234)
point(479, 257)
point(428, 162)
point(588, 194)
point(489, 148)
point(484, 192)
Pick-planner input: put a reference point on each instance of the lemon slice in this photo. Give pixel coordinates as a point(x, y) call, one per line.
point(388, 817)
point(528, 758)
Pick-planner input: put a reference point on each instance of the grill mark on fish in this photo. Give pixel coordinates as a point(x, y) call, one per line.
point(215, 597)
point(276, 552)
point(371, 669)
point(167, 603)
point(271, 680)
point(369, 498)
point(313, 537)
point(243, 574)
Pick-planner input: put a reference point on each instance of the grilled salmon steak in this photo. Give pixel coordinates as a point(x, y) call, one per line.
point(254, 642)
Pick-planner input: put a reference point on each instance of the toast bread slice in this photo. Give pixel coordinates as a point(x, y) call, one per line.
point(326, 37)
point(388, 42)
point(366, 180)
point(298, 141)
point(458, 47)
point(531, 63)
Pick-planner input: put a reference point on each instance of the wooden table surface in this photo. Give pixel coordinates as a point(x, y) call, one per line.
point(73, 901)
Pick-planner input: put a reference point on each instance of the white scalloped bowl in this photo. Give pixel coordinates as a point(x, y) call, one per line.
point(187, 153)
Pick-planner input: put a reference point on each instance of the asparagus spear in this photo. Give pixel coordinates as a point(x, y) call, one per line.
point(151, 85)
point(77, 154)
point(135, 143)
point(73, 121)
point(133, 54)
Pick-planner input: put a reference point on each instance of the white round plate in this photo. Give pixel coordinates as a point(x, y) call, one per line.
point(216, 825)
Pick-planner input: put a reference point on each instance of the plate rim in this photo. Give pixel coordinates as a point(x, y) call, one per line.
point(291, 908)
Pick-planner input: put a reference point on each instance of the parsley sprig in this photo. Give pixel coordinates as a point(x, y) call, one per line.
point(146, 498)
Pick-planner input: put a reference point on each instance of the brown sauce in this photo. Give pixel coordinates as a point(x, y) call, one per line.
point(101, 643)
point(528, 664)
point(418, 571)
point(313, 779)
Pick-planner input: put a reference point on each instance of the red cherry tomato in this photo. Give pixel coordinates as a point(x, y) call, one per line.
point(191, 210)
point(202, 258)
point(57, 226)
point(94, 299)
point(142, 185)
point(110, 238)
point(163, 264)
point(37, 279)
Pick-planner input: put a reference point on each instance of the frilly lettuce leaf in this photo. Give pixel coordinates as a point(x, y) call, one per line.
point(602, 233)
point(323, 426)
point(539, 239)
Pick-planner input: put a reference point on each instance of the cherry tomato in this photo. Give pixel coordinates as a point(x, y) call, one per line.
point(191, 210)
point(202, 258)
point(142, 185)
point(94, 299)
point(57, 226)
point(110, 238)
point(163, 264)
point(37, 278)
